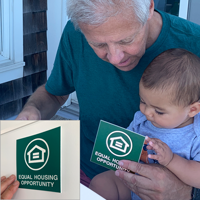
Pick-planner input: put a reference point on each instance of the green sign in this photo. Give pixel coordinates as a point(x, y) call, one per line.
point(38, 161)
point(114, 143)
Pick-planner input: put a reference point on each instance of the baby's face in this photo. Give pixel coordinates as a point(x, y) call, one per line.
point(158, 109)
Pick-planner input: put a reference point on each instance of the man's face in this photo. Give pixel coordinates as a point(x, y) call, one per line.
point(120, 41)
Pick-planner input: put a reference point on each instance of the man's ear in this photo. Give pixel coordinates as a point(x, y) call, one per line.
point(151, 9)
point(194, 109)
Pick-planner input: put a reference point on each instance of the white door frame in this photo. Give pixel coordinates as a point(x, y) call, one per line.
point(183, 9)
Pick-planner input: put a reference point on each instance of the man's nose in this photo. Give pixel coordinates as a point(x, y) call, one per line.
point(115, 55)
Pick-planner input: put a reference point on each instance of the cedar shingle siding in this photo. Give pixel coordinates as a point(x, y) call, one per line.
point(14, 94)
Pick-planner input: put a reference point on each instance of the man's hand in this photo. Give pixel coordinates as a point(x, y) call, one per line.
point(29, 113)
point(155, 182)
point(8, 187)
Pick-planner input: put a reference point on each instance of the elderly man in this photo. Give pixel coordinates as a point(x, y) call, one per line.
point(102, 54)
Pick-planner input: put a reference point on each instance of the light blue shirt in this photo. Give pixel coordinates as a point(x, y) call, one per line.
point(183, 141)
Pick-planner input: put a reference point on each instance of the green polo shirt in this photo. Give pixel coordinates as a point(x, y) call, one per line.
point(103, 91)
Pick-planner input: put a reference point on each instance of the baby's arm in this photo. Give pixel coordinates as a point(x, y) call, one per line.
point(186, 170)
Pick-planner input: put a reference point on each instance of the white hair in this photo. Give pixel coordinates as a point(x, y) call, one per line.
point(96, 12)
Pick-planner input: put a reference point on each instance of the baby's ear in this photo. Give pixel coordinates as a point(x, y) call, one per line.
point(194, 109)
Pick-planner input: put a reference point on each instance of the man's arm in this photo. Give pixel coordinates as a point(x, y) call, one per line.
point(155, 182)
point(41, 105)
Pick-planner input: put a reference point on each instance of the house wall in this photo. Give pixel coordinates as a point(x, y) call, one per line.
point(14, 94)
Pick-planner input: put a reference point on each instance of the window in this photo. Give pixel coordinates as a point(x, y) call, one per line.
point(11, 40)
point(174, 7)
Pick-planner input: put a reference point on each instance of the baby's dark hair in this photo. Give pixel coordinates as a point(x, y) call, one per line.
point(176, 72)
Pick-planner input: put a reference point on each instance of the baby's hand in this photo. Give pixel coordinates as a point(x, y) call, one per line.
point(164, 153)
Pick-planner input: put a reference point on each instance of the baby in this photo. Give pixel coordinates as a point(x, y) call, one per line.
point(169, 117)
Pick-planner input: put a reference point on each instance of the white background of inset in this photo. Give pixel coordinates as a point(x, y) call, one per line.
point(70, 154)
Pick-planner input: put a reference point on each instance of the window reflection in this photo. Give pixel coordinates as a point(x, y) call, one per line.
point(169, 6)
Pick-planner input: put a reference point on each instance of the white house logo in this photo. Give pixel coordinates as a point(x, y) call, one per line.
point(36, 157)
point(36, 154)
point(119, 143)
